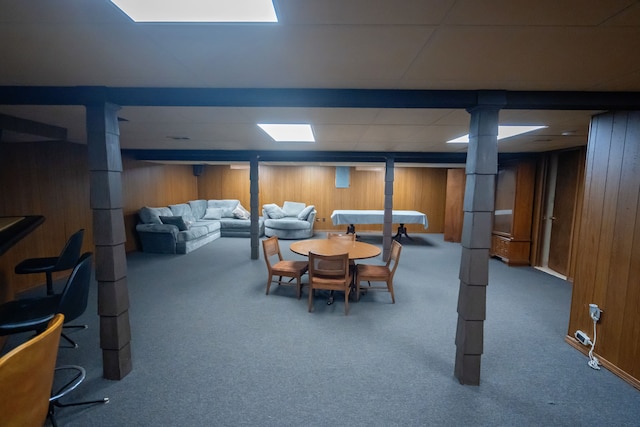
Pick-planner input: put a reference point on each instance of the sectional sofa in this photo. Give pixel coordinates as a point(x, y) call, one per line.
point(184, 227)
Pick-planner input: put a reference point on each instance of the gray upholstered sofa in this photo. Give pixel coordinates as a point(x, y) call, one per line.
point(184, 227)
point(293, 221)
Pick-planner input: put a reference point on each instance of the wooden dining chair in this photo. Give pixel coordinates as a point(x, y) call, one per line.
point(379, 273)
point(26, 378)
point(332, 273)
point(278, 266)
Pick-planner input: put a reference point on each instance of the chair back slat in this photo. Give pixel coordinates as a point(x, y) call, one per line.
point(336, 266)
point(342, 236)
point(394, 257)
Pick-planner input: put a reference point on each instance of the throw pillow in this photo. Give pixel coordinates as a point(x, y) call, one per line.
point(178, 221)
point(273, 211)
point(241, 213)
point(302, 216)
point(292, 208)
point(213, 213)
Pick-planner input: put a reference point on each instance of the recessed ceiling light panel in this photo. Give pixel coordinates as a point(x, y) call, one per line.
point(198, 10)
point(506, 131)
point(289, 132)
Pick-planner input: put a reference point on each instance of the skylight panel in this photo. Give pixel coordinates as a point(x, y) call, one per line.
point(506, 131)
point(198, 10)
point(289, 132)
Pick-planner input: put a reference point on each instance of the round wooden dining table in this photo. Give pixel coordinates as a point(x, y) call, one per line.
point(355, 249)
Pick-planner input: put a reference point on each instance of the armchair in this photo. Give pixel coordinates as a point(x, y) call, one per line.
point(293, 221)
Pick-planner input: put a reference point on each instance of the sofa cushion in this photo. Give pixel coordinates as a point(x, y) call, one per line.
point(287, 224)
point(292, 208)
point(178, 221)
point(184, 210)
point(213, 213)
point(241, 213)
point(198, 208)
point(152, 215)
point(274, 211)
point(227, 206)
point(235, 224)
point(193, 233)
point(211, 226)
point(304, 214)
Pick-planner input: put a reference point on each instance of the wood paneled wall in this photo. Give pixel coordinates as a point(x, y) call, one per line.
point(50, 179)
point(608, 254)
point(422, 189)
point(454, 205)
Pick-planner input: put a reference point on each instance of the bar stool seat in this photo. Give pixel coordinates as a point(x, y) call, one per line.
point(28, 314)
point(48, 265)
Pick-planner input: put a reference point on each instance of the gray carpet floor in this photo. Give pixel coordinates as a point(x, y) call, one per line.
point(211, 349)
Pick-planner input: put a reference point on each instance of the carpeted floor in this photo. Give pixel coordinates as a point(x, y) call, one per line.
point(211, 349)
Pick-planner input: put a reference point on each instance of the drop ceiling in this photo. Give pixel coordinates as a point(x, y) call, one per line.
point(512, 45)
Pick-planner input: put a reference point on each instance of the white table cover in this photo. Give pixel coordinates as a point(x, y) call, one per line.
point(358, 216)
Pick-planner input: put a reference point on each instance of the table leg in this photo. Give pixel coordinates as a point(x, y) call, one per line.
point(402, 230)
point(351, 229)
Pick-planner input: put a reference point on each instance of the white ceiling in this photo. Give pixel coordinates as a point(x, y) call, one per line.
point(546, 45)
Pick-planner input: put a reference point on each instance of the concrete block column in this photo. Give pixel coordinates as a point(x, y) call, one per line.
point(105, 170)
point(254, 196)
point(387, 225)
point(481, 170)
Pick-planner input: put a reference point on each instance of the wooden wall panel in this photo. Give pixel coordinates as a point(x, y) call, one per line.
point(577, 216)
point(50, 179)
point(424, 190)
point(609, 242)
point(454, 205)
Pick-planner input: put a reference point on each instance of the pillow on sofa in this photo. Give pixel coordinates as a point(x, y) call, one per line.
point(152, 215)
point(198, 208)
point(213, 213)
point(292, 208)
point(227, 206)
point(302, 216)
point(241, 213)
point(178, 221)
point(183, 210)
point(274, 211)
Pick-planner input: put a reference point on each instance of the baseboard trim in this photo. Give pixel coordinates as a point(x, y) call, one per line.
point(604, 362)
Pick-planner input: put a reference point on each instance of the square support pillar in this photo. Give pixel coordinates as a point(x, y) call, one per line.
point(254, 194)
point(479, 201)
point(105, 169)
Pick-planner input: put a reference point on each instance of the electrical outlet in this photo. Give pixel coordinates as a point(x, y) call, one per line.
point(582, 338)
point(594, 312)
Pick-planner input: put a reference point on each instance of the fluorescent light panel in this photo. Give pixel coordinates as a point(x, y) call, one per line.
point(369, 168)
point(237, 166)
point(288, 132)
point(503, 132)
point(198, 10)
